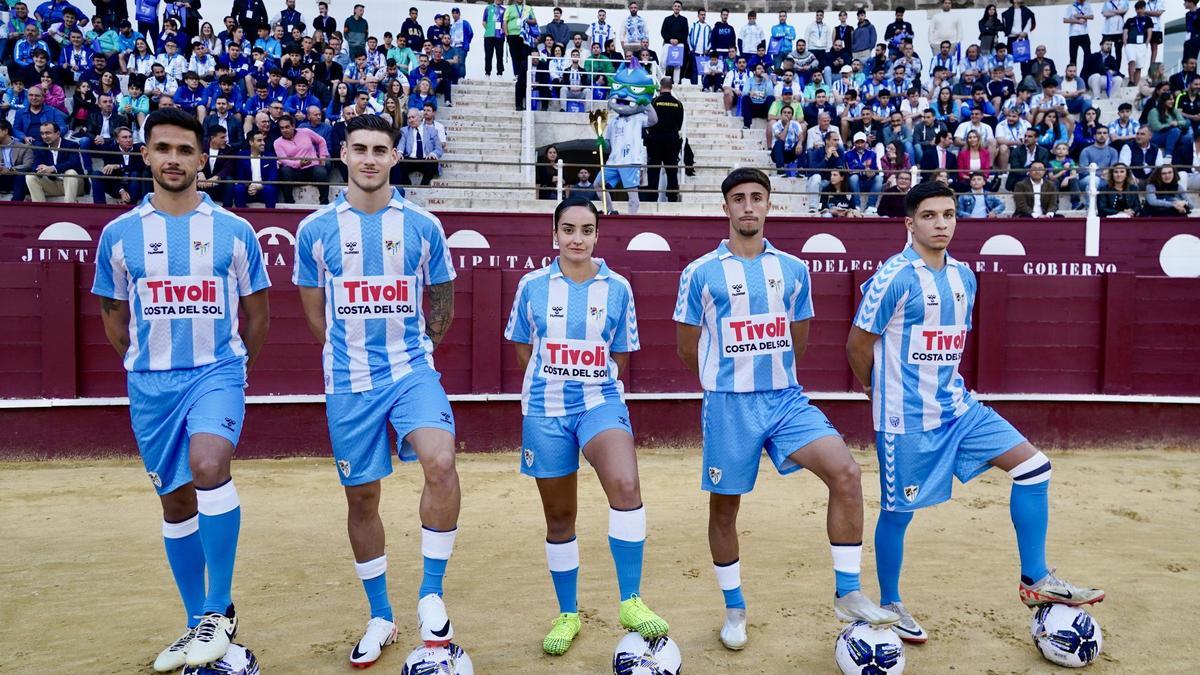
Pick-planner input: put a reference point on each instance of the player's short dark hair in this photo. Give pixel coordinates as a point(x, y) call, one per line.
point(744, 175)
point(173, 117)
point(926, 190)
point(371, 123)
point(575, 201)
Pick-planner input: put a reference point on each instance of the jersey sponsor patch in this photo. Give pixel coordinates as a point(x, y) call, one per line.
point(574, 360)
point(936, 345)
point(755, 334)
point(375, 297)
point(181, 298)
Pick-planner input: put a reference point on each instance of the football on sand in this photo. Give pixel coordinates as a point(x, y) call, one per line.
point(1066, 635)
point(237, 661)
point(863, 649)
point(635, 655)
point(448, 660)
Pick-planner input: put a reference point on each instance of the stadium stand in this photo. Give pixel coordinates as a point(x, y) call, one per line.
point(94, 71)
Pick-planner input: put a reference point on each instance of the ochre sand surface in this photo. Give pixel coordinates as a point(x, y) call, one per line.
point(86, 587)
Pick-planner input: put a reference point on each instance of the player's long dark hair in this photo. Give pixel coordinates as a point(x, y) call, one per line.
point(575, 201)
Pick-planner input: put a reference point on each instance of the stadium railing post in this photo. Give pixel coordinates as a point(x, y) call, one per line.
point(1091, 241)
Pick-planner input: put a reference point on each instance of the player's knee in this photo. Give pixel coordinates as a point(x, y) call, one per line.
point(440, 470)
point(723, 511)
point(179, 505)
point(209, 471)
point(846, 480)
point(626, 493)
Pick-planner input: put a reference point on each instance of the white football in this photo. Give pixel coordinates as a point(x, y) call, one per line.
point(862, 649)
point(448, 660)
point(1066, 635)
point(635, 655)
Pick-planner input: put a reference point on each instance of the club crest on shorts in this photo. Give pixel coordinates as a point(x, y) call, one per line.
point(344, 467)
point(527, 455)
point(910, 492)
point(894, 420)
point(714, 475)
point(154, 479)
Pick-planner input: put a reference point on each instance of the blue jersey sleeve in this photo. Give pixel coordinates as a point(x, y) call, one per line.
point(882, 294)
point(519, 328)
point(800, 305)
point(625, 337)
point(689, 305)
point(438, 268)
point(971, 285)
point(307, 269)
point(110, 269)
point(252, 270)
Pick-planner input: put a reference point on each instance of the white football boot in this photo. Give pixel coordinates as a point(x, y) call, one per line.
point(855, 606)
point(907, 628)
point(174, 657)
point(733, 633)
point(380, 633)
point(213, 636)
point(433, 621)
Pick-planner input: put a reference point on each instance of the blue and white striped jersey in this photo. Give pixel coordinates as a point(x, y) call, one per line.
point(745, 309)
point(182, 277)
point(922, 317)
point(374, 267)
point(574, 329)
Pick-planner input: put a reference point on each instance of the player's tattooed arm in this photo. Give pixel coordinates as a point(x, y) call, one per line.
point(441, 311)
point(115, 314)
point(257, 311)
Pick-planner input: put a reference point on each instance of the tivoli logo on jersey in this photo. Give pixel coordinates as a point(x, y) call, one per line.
point(374, 297)
point(181, 298)
point(936, 345)
point(574, 360)
point(755, 334)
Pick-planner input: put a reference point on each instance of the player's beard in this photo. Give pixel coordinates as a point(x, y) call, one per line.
point(176, 185)
point(748, 230)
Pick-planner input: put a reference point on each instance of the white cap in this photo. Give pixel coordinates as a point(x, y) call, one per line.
point(846, 69)
point(860, 136)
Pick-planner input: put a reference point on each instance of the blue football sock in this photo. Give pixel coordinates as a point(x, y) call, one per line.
point(436, 547)
point(734, 598)
point(565, 589)
point(220, 523)
point(627, 540)
point(889, 552)
point(563, 559)
point(373, 575)
point(1029, 507)
point(185, 554)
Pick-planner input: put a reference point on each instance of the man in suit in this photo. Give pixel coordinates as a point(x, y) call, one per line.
point(256, 174)
point(939, 157)
point(1034, 197)
point(13, 162)
point(102, 125)
point(57, 167)
point(219, 167)
point(420, 148)
point(223, 117)
point(118, 177)
point(1023, 156)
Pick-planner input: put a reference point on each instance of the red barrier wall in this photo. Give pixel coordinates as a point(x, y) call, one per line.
point(1074, 333)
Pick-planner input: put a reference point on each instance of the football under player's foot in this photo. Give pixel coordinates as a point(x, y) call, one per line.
point(635, 615)
point(1050, 589)
point(733, 633)
point(856, 606)
point(562, 634)
point(174, 656)
point(380, 633)
point(434, 623)
point(907, 628)
point(213, 635)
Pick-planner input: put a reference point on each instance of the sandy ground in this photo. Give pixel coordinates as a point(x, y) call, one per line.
point(86, 587)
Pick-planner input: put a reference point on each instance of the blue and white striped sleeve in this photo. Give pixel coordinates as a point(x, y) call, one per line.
point(306, 270)
point(108, 268)
point(440, 268)
point(800, 305)
point(880, 295)
point(625, 337)
point(518, 328)
point(689, 305)
point(252, 275)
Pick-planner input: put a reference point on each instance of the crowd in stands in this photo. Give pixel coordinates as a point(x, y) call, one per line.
point(849, 109)
point(273, 93)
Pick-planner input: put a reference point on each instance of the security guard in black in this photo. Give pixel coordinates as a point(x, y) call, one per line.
point(663, 143)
